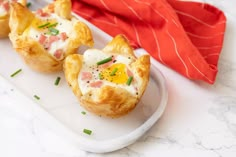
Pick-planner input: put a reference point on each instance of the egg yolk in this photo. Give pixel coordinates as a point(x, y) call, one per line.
point(115, 73)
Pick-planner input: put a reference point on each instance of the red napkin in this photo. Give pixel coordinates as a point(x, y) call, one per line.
point(186, 36)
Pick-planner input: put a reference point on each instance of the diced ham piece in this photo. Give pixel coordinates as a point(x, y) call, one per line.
point(129, 73)
point(58, 53)
point(63, 36)
point(106, 65)
point(86, 76)
point(41, 13)
point(42, 39)
point(53, 38)
point(96, 84)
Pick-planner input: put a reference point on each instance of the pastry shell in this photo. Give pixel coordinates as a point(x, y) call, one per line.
point(33, 53)
point(109, 101)
point(4, 22)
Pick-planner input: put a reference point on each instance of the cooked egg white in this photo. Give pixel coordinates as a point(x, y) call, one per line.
point(63, 25)
point(104, 72)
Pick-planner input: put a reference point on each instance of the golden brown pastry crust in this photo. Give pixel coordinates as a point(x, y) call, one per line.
point(32, 51)
point(109, 101)
point(4, 23)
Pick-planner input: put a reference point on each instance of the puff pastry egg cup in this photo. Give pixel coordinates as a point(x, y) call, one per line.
point(111, 88)
point(45, 37)
point(4, 16)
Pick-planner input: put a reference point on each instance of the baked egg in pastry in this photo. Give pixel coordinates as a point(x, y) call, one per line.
point(108, 82)
point(4, 16)
point(45, 37)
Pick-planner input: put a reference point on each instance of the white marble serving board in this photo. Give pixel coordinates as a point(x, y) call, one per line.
point(60, 109)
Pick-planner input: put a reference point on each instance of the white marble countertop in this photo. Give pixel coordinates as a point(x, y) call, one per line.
point(200, 119)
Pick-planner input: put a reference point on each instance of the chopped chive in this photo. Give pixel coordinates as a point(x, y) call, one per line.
point(104, 61)
point(114, 72)
point(16, 72)
point(53, 31)
point(100, 76)
point(86, 131)
point(57, 81)
point(83, 112)
point(53, 25)
point(28, 4)
point(36, 97)
point(44, 25)
point(129, 80)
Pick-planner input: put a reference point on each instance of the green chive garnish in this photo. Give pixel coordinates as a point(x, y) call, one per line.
point(57, 81)
point(104, 61)
point(100, 76)
point(44, 25)
point(114, 72)
point(36, 97)
point(28, 4)
point(86, 131)
point(53, 31)
point(129, 80)
point(16, 72)
point(53, 25)
point(83, 112)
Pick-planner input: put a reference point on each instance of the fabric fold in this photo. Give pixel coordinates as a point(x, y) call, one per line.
point(185, 36)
